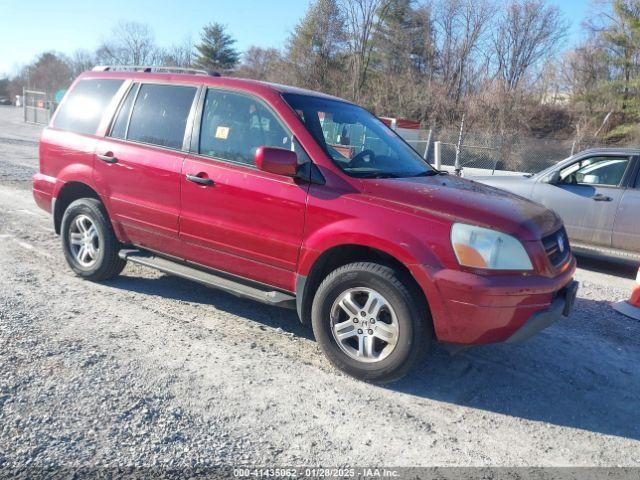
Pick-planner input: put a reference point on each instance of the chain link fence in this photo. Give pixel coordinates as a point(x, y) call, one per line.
point(38, 107)
point(495, 153)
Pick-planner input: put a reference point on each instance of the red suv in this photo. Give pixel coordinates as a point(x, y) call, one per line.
point(297, 199)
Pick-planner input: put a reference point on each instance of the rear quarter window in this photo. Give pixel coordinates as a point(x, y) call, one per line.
point(84, 106)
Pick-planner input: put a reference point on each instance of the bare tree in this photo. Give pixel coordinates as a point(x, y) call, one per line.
point(130, 43)
point(261, 64)
point(362, 18)
point(525, 35)
point(462, 27)
point(179, 55)
point(81, 61)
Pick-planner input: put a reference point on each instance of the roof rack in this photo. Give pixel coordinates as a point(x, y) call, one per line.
point(152, 69)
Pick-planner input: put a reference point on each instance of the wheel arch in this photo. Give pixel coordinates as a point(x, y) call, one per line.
point(340, 255)
point(68, 193)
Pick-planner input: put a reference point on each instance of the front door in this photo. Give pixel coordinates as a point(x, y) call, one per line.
point(586, 196)
point(236, 218)
point(626, 229)
point(138, 166)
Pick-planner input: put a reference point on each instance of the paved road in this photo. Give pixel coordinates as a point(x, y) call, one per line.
point(148, 369)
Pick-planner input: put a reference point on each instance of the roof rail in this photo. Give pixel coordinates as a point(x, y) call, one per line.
point(152, 69)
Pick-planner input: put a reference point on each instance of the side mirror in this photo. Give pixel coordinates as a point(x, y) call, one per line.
point(277, 160)
point(553, 178)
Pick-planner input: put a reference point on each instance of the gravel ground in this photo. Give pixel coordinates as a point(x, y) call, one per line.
point(151, 370)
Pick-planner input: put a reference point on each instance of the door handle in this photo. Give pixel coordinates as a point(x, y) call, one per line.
point(199, 180)
point(107, 158)
point(601, 198)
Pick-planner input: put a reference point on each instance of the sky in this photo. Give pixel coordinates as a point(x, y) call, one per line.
point(29, 27)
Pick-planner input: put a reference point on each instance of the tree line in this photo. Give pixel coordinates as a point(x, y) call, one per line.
point(499, 63)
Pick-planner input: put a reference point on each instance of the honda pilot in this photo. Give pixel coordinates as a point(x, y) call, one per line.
point(301, 200)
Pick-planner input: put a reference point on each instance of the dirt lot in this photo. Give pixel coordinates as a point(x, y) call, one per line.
point(152, 370)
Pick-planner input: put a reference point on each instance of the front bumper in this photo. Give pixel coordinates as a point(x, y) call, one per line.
point(560, 307)
point(473, 309)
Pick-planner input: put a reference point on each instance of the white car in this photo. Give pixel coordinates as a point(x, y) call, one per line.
point(597, 194)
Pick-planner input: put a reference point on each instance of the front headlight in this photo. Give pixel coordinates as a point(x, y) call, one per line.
point(483, 248)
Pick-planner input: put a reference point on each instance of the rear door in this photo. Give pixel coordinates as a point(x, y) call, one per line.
point(138, 165)
point(587, 197)
point(626, 228)
point(236, 218)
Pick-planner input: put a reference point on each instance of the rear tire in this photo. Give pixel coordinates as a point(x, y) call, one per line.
point(368, 323)
point(89, 244)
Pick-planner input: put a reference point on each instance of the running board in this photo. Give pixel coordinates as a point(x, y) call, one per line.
point(270, 297)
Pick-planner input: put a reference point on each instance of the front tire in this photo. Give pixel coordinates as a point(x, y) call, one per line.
point(89, 244)
point(368, 323)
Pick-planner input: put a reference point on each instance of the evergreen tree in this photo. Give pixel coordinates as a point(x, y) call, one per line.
point(622, 50)
point(216, 50)
point(315, 50)
point(394, 40)
point(403, 58)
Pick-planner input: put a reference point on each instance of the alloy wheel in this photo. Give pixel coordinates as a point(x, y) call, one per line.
point(84, 241)
point(364, 324)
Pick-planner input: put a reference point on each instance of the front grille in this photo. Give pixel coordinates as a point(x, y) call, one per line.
point(557, 247)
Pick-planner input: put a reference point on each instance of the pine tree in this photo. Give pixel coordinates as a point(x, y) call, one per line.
point(216, 50)
point(315, 49)
point(393, 40)
point(622, 42)
point(608, 72)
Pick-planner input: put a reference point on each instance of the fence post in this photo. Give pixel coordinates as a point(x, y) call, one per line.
point(457, 168)
point(426, 150)
point(500, 148)
point(437, 155)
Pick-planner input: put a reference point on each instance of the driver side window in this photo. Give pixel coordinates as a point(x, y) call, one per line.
point(603, 171)
point(235, 125)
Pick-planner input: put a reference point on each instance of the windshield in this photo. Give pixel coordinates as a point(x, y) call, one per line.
point(357, 141)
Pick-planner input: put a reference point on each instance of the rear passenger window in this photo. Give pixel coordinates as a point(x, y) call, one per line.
point(235, 125)
point(85, 105)
point(160, 114)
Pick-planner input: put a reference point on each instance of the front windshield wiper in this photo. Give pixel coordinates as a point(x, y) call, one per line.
point(428, 173)
point(379, 175)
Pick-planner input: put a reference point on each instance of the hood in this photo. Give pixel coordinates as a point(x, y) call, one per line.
point(499, 179)
point(466, 201)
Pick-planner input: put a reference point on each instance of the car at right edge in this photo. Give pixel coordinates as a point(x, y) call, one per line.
point(597, 194)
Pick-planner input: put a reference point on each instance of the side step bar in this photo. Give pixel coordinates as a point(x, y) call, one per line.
point(271, 297)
